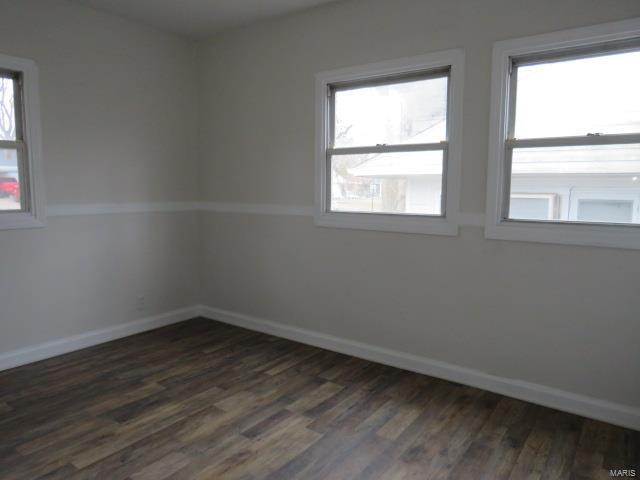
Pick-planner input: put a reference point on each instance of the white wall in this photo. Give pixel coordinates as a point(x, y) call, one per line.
point(118, 121)
point(565, 317)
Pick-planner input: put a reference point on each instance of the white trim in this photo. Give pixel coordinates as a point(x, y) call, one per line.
point(397, 223)
point(612, 139)
point(22, 356)
point(388, 223)
point(603, 410)
point(565, 234)
point(466, 219)
point(35, 217)
point(258, 208)
point(410, 147)
point(71, 209)
point(545, 232)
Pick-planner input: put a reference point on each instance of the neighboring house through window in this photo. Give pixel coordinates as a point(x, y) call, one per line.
point(564, 154)
point(388, 155)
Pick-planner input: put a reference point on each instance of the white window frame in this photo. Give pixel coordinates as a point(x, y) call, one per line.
point(31, 188)
point(447, 223)
point(499, 227)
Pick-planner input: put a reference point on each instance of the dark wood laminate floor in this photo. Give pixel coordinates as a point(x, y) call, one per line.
point(203, 400)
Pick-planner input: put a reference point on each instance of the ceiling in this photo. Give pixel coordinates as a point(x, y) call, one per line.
point(199, 18)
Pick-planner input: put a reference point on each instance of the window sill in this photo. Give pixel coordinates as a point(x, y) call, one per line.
point(13, 221)
point(613, 236)
point(388, 223)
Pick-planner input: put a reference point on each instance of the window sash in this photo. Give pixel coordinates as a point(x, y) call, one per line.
point(512, 144)
point(430, 147)
point(330, 151)
point(444, 72)
point(586, 140)
point(23, 176)
point(576, 53)
point(19, 144)
point(594, 138)
point(11, 144)
point(384, 148)
point(394, 79)
point(16, 77)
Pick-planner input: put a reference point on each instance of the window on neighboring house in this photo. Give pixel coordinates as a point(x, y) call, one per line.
point(20, 197)
point(618, 211)
point(388, 145)
point(534, 206)
point(616, 205)
point(566, 119)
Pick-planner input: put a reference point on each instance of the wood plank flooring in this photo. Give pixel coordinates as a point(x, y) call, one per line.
point(204, 400)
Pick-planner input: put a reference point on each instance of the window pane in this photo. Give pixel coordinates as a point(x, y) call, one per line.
point(401, 113)
point(408, 182)
point(576, 97)
point(614, 211)
point(9, 180)
point(575, 175)
point(7, 110)
point(529, 208)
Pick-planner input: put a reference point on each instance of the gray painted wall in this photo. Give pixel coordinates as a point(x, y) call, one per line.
point(118, 126)
point(561, 316)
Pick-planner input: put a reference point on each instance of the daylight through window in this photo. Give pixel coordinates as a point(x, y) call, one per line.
point(573, 145)
point(388, 145)
point(11, 143)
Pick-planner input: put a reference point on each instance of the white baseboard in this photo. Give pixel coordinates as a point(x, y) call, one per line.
point(595, 408)
point(22, 356)
point(615, 413)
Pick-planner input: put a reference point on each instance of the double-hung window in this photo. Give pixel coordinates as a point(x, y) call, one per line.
point(388, 145)
point(564, 159)
point(20, 191)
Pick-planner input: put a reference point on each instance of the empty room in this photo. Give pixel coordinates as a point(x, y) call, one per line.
point(319, 239)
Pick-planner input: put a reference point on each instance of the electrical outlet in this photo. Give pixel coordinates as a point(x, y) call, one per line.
point(140, 303)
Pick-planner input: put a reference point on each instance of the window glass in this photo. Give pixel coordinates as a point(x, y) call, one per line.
point(400, 182)
point(7, 110)
point(9, 177)
point(607, 171)
point(576, 97)
point(400, 113)
point(9, 180)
